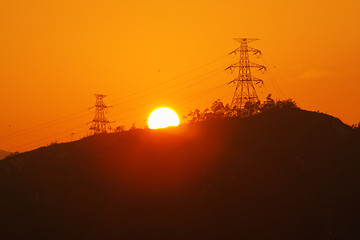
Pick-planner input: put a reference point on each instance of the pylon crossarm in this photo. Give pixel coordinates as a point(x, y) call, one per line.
point(249, 64)
point(245, 65)
point(245, 40)
point(257, 80)
point(252, 79)
point(247, 49)
point(101, 105)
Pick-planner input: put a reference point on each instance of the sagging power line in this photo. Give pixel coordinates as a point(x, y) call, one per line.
point(243, 66)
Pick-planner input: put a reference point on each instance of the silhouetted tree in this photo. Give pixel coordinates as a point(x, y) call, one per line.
point(288, 103)
point(195, 116)
point(219, 110)
point(356, 126)
point(133, 127)
point(52, 143)
point(269, 103)
point(119, 129)
point(250, 108)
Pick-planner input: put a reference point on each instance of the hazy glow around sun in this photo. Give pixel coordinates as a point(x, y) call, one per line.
point(162, 118)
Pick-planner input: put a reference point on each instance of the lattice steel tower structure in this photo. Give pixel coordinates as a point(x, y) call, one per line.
point(100, 124)
point(245, 90)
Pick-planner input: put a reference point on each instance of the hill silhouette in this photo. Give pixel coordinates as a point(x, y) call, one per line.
point(282, 174)
point(4, 154)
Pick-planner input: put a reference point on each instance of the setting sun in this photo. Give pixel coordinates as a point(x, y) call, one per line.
point(162, 118)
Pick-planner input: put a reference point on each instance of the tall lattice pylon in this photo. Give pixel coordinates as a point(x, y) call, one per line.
point(99, 124)
point(245, 91)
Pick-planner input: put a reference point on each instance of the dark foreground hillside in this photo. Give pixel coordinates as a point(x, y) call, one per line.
point(280, 175)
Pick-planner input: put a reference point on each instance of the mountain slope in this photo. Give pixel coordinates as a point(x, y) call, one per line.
point(4, 154)
point(285, 174)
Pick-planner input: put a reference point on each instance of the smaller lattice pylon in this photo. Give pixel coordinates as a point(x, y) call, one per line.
point(100, 124)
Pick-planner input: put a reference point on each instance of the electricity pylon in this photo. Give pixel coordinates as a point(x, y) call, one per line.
point(100, 124)
point(245, 91)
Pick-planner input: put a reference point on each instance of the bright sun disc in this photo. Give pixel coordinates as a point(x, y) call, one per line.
point(162, 118)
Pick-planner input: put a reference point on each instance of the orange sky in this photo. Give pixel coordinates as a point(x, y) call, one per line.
point(54, 55)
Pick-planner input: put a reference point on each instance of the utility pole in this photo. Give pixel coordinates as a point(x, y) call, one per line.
point(100, 124)
point(245, 91)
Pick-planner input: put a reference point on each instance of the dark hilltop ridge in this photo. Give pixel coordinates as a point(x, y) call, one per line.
point(4, 154)
point(282, 174)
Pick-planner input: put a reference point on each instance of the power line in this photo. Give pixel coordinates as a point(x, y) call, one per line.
point(52, 136)
point(38, 127)
point(41, 126)
point(174, 78)
point(276, 86)
point(201, 94)
point(169, 94)
point(172, 86)
point(81, 113)
point(206, 92)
